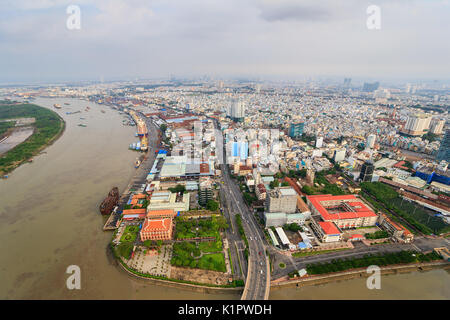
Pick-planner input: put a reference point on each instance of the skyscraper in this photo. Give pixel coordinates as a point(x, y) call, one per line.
point(370, 87)
point(366, 171)
point(236, 110)
point(296, 129)
point(444, 150)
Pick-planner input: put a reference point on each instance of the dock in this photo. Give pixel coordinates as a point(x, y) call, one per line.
point(139, 178)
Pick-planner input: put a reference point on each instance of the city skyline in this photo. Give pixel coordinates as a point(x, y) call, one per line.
point(250, 39)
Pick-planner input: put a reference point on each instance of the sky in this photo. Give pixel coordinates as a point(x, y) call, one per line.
point(128, 39)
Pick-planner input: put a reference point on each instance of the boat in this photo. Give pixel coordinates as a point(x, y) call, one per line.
point(110, 201)
point(82, 125)
point(137, 163)
point(57, 106)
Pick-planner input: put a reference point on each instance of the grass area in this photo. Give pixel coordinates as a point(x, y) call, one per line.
point(313, 253)
point(5, 125)
point(48, 126)
point(185, 255)
point(411, 212)
point(130, 234)
point(210, 246)
point(377, 235)
point(422, 216)
point(282, 265)
point(199, 228)
point(213, 261)
point(231, 261)
point(401, 257)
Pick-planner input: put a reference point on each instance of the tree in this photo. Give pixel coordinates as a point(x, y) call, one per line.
point(222, 223)
point(275, 183)
point(212, 205)
point(178, 188)
point(308, 190)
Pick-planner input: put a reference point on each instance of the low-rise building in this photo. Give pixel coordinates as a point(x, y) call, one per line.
point(346, 211)
point(157, 229)
point(326, 231)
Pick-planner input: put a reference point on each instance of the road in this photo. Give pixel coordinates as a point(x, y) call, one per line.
point(420, 244)
point(256, 271)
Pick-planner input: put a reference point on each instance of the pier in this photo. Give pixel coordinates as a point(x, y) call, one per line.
point(138, 180)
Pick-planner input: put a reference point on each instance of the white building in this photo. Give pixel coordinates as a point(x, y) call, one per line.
point(370, 143)
point(319, 142)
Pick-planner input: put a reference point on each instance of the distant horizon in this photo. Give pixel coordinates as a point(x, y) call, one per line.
point(355, 81)
point(47, 41)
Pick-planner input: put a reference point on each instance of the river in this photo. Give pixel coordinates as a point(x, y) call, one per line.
point(433, 284)
point(49, 216)
point(49, 220)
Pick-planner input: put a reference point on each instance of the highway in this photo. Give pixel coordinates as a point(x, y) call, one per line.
point(256, 272)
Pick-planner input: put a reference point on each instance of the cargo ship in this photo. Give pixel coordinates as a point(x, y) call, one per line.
point(110, 201)
point(57, 106)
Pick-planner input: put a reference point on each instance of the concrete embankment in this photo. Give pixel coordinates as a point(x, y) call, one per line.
point(359, 273)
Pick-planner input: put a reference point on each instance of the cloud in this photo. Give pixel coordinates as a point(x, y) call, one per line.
point(147, 38)
point(299, 12)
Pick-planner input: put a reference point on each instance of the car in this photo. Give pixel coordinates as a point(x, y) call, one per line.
point(261, 272)
point(260, 253)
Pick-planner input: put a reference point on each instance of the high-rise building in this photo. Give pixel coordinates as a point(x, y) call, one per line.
point(417, 124)
point(282, 199)
point(370, 143)
point(205, 191)
point(366, 171)
point(347, 82)
point(236, 110)
point(296, 129)
point(370, 87)
point(437, 126)
point(339, 155)
point(319, 142)
point(444, 150)
point(310, 176)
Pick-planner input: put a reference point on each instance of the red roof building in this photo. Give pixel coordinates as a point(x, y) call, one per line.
point(157, 229)
point(346, 211)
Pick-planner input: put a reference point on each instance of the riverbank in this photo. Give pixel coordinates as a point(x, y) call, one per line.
point(356, 273)
point(48, 127)
point(174, 283)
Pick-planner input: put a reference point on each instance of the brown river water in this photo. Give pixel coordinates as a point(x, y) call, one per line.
point(49, 220)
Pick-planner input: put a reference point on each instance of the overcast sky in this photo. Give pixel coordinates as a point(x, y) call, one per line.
point(282, 38)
